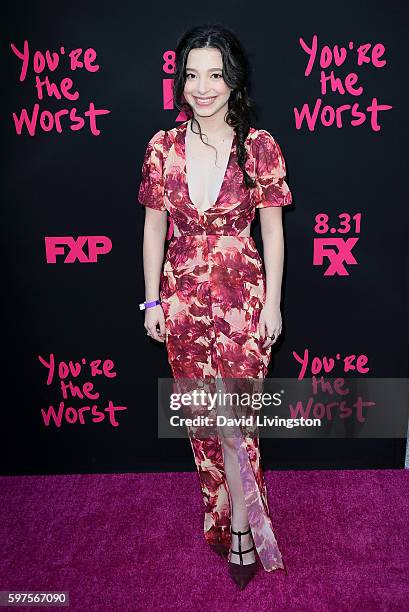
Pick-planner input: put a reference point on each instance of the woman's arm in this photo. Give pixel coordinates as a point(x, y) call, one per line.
point(273, 251)
point(154, 235)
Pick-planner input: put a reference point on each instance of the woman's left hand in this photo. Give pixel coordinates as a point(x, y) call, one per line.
point(270, 323)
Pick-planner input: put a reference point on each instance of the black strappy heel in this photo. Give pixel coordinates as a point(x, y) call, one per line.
point(242, 574)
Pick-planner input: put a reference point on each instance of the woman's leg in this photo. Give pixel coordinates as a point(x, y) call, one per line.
point(208, 455)
point(226, 461)
point(239, 515)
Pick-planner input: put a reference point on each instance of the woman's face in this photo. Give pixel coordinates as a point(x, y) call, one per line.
point(205, 89)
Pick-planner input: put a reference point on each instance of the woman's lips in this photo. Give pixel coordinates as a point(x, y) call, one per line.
point(204, 101)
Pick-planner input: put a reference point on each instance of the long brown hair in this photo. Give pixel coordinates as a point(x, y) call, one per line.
point(236, 74)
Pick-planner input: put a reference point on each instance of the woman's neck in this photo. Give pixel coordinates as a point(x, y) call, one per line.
point(216, 129)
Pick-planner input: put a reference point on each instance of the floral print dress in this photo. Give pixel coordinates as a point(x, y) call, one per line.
point(212, 289)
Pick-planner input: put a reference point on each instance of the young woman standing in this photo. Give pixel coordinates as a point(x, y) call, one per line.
point(219, 311)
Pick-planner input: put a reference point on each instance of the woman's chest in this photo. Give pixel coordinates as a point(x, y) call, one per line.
point(204, 183)
point(205, 170)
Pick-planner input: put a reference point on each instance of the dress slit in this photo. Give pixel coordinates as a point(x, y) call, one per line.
point(217, 519)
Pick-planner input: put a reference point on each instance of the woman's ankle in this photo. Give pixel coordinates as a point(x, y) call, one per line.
point(240, 528)
point(241, 524)
point(241, 543)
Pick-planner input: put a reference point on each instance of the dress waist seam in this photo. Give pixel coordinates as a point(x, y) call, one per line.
point(205, 234)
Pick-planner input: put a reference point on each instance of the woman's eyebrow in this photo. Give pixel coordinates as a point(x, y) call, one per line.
point(194, 70)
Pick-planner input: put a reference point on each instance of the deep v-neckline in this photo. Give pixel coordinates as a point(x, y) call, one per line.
point(203, 211)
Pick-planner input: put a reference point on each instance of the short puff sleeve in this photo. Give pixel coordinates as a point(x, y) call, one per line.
point(151, 188)
point(271, 188)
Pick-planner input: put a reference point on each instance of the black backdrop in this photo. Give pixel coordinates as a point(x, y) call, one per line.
point(76, 183)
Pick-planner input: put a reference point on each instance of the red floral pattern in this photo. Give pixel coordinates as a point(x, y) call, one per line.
point(212, 289)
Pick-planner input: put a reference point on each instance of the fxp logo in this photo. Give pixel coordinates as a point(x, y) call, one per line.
point(84, 249)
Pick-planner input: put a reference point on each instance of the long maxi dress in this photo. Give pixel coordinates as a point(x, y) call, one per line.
point(212, 289)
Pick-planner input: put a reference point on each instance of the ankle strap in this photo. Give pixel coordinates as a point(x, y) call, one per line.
point(241, 532)
point(241, 552)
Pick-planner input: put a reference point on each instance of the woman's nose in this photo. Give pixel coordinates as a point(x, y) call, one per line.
point(203, 87)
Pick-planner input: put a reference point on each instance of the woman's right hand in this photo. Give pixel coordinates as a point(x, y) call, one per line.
point(154, 319)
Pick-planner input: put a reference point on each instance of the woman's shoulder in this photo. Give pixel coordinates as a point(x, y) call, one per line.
point(165, 137)
point(157, 137)
point(260, 135)
point(262, 141)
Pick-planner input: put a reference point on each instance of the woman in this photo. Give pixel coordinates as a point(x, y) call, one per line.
point(219, 312)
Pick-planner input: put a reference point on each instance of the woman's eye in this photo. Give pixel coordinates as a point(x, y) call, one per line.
point(189, 74)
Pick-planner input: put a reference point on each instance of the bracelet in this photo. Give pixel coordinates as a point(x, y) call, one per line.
point(144, 305)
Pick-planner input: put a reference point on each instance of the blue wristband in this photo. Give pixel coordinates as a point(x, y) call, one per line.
point(144, 305)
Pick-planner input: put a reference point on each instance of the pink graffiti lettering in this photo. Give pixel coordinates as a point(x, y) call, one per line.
point(51, 60)
point(330, 410)
point(48, 120)
point(73, 415)
point(97, 367)
point(349, 363)
point(329, 115)
point(62, 89)
point(337, 56)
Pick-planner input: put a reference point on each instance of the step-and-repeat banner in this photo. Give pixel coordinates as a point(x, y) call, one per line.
point(84, 91)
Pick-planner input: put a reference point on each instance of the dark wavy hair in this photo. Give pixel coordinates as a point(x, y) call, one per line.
point(236, 74)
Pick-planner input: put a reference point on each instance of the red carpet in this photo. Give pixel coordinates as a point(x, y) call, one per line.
point(135, 542)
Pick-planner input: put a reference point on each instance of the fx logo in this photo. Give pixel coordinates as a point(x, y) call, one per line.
point(338, 251)
point(73, 249)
